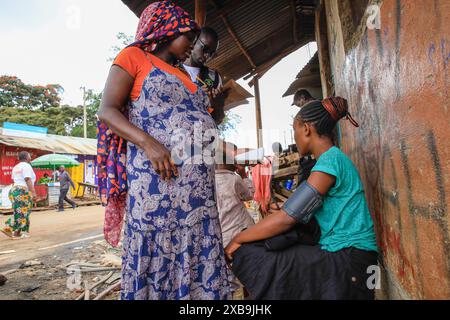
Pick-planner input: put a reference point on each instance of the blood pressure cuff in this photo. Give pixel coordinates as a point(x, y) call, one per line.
point(303, 203)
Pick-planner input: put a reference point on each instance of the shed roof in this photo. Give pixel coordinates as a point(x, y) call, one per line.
point(267, 31)
point(308, 78)
point(52, 143)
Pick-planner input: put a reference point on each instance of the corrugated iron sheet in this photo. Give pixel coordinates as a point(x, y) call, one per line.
point(308, 78)
point(53, 143)
point(264, 27)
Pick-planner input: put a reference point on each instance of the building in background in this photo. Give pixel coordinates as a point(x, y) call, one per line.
point(12, 141)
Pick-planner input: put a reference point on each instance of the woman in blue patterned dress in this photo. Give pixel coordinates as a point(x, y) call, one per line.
point(172, 238)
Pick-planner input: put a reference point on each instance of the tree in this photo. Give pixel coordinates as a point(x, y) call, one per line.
point(58, 120)
point(16, 94)
point(124, 40)
point(92, 105)
point(36, 105)
point(229, 123)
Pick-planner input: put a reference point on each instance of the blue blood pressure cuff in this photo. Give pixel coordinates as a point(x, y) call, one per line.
point(303, 203)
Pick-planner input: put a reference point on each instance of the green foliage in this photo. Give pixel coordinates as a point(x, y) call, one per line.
point(16, 94)
point(124, 40)
point(40, 106)
point(58, 120)
point(229, 123)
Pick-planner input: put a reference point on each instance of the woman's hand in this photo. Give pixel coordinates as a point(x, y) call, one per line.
point(214, 92)
point(240, 170)
point(160, 158)
point(33, 195)
point(231, 248)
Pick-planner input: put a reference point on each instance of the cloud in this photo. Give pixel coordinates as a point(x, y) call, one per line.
point(58, 50)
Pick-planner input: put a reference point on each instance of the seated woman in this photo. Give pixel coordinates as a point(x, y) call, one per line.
point(337, 268)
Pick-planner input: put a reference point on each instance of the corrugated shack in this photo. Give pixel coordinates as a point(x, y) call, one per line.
point(81, 149)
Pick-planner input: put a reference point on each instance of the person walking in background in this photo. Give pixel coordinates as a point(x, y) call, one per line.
point(65, 183)
point(22, 195)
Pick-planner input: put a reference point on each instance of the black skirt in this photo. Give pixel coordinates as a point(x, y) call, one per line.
point(304, 272)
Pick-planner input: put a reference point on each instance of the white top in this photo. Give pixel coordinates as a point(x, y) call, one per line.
point(193, 72)
point(20, 172)
point(231, 192)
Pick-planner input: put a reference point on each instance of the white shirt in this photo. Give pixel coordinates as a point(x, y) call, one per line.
point(20, 172)
point(231, 192)
point(193, 72)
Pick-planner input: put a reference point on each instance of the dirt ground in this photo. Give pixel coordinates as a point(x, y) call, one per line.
point(37, 267)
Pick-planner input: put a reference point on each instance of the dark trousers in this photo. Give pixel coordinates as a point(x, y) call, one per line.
point(63, 197)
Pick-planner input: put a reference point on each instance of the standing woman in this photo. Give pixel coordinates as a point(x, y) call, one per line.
point(172, 238)
point(22, 195)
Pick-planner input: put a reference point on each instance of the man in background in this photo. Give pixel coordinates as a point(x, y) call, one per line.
point(302, 97)
point(65, 183)
point(209, 80)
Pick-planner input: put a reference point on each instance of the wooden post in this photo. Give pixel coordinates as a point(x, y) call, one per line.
point(323, 50)
point(258, 113)
point(200, 12)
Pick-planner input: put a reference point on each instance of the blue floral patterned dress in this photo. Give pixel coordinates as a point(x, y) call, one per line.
point(172, 238)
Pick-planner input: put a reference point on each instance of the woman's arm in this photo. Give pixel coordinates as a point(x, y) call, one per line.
point(279, 221)
point(31, 188)
point(115, 96)
point(275, 224)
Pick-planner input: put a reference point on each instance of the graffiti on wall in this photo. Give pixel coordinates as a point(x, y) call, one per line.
point(400, 151)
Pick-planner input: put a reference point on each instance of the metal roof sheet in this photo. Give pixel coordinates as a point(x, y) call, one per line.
point(265, 28)
point(308, 78)
point(53, 143)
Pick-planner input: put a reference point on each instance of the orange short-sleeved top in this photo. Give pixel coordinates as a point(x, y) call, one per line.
point(139, 64)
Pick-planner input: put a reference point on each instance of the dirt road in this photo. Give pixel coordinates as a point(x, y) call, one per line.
point(35, 267)
point(52, 232)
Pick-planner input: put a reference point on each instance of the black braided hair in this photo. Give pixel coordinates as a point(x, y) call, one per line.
point(315, 114)
point(324, 115)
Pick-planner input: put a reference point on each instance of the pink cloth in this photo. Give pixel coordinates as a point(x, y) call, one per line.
point(261, 176)
point(114, 215)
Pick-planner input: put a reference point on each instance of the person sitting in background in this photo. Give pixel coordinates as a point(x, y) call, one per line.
point(233, 188)
point(45, 179)
point(302, 97)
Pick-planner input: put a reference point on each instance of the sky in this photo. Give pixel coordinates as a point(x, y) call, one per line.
point(68, 42)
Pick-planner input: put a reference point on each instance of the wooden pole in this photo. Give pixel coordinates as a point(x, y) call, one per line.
point(258, 113)
point(321, 33)
point(294, 21)
point(200, 12)
point(84, 112)
point(237, 41)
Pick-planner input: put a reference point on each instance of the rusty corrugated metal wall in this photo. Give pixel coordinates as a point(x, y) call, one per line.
point(397, 80)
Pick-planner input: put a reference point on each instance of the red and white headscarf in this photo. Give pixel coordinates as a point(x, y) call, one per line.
point(161, 21)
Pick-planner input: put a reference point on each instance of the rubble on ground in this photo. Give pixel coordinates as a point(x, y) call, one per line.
point(83, 272)
point(3, 280)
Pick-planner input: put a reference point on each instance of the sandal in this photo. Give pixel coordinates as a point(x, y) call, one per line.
point(22, 236)
point(7, 233)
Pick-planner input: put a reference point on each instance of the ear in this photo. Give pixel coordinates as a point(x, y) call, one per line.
point(307, 129)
